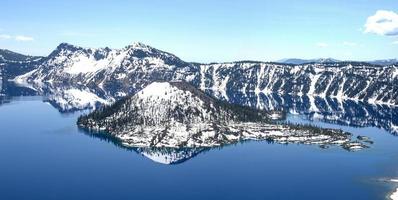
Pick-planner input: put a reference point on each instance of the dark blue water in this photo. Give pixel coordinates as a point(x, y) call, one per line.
point(44, 156)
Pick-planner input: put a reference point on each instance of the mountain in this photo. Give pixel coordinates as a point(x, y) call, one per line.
point(13, 64)
point(341, 80)
point(121, 70)
point(10, 56)
point(177, 115)
point(164, 112)
point(298, 61)
point(128, 70)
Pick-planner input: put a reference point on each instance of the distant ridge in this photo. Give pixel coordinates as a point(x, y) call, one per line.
point(298, 61)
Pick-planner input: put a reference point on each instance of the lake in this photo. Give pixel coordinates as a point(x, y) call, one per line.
point(45, 156)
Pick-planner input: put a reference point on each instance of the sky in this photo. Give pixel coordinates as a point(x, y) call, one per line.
point(208, 30)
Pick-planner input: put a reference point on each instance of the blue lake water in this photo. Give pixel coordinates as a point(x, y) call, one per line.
point(45, 156)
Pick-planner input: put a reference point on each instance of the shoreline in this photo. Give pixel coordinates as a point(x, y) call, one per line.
point(394, 194)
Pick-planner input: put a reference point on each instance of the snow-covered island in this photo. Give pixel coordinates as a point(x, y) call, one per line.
point(177, 115)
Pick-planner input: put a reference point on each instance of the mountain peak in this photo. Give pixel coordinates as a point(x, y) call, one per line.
point(139, 46)
point(176, 101)
point(64, 44)
point(67, 46)
point(155, 89)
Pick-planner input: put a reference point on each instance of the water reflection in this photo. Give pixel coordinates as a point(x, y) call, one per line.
point(168, 156)
point(9, 90)
point(65, 98)
point(162, 155)
point(331, 110)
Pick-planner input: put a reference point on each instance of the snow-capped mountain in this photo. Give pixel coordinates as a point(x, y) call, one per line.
point(176, 114)
point(168, 114)
point(13, 64)
point(130, 69)
point(341, 80)
point(121, 70)
point(10, 56)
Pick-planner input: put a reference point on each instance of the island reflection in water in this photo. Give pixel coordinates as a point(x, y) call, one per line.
point(167, 156)
point(67, 99)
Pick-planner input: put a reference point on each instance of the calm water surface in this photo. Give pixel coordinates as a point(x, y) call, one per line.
point(45, 156)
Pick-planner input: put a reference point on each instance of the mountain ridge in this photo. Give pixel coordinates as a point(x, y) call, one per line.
point(294, 61)
point(299, 61)
point(130, 69)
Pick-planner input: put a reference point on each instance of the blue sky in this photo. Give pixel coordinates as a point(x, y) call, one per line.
point(207, 30)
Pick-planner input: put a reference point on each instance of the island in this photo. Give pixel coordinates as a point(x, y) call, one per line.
point(178, 115)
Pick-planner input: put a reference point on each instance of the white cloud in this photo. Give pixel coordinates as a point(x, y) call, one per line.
point(349, 44)
point(23, 38)
point(17, 38)
point(395, 42)
point(5, 37)
point(382, 23)
point(322, 45)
